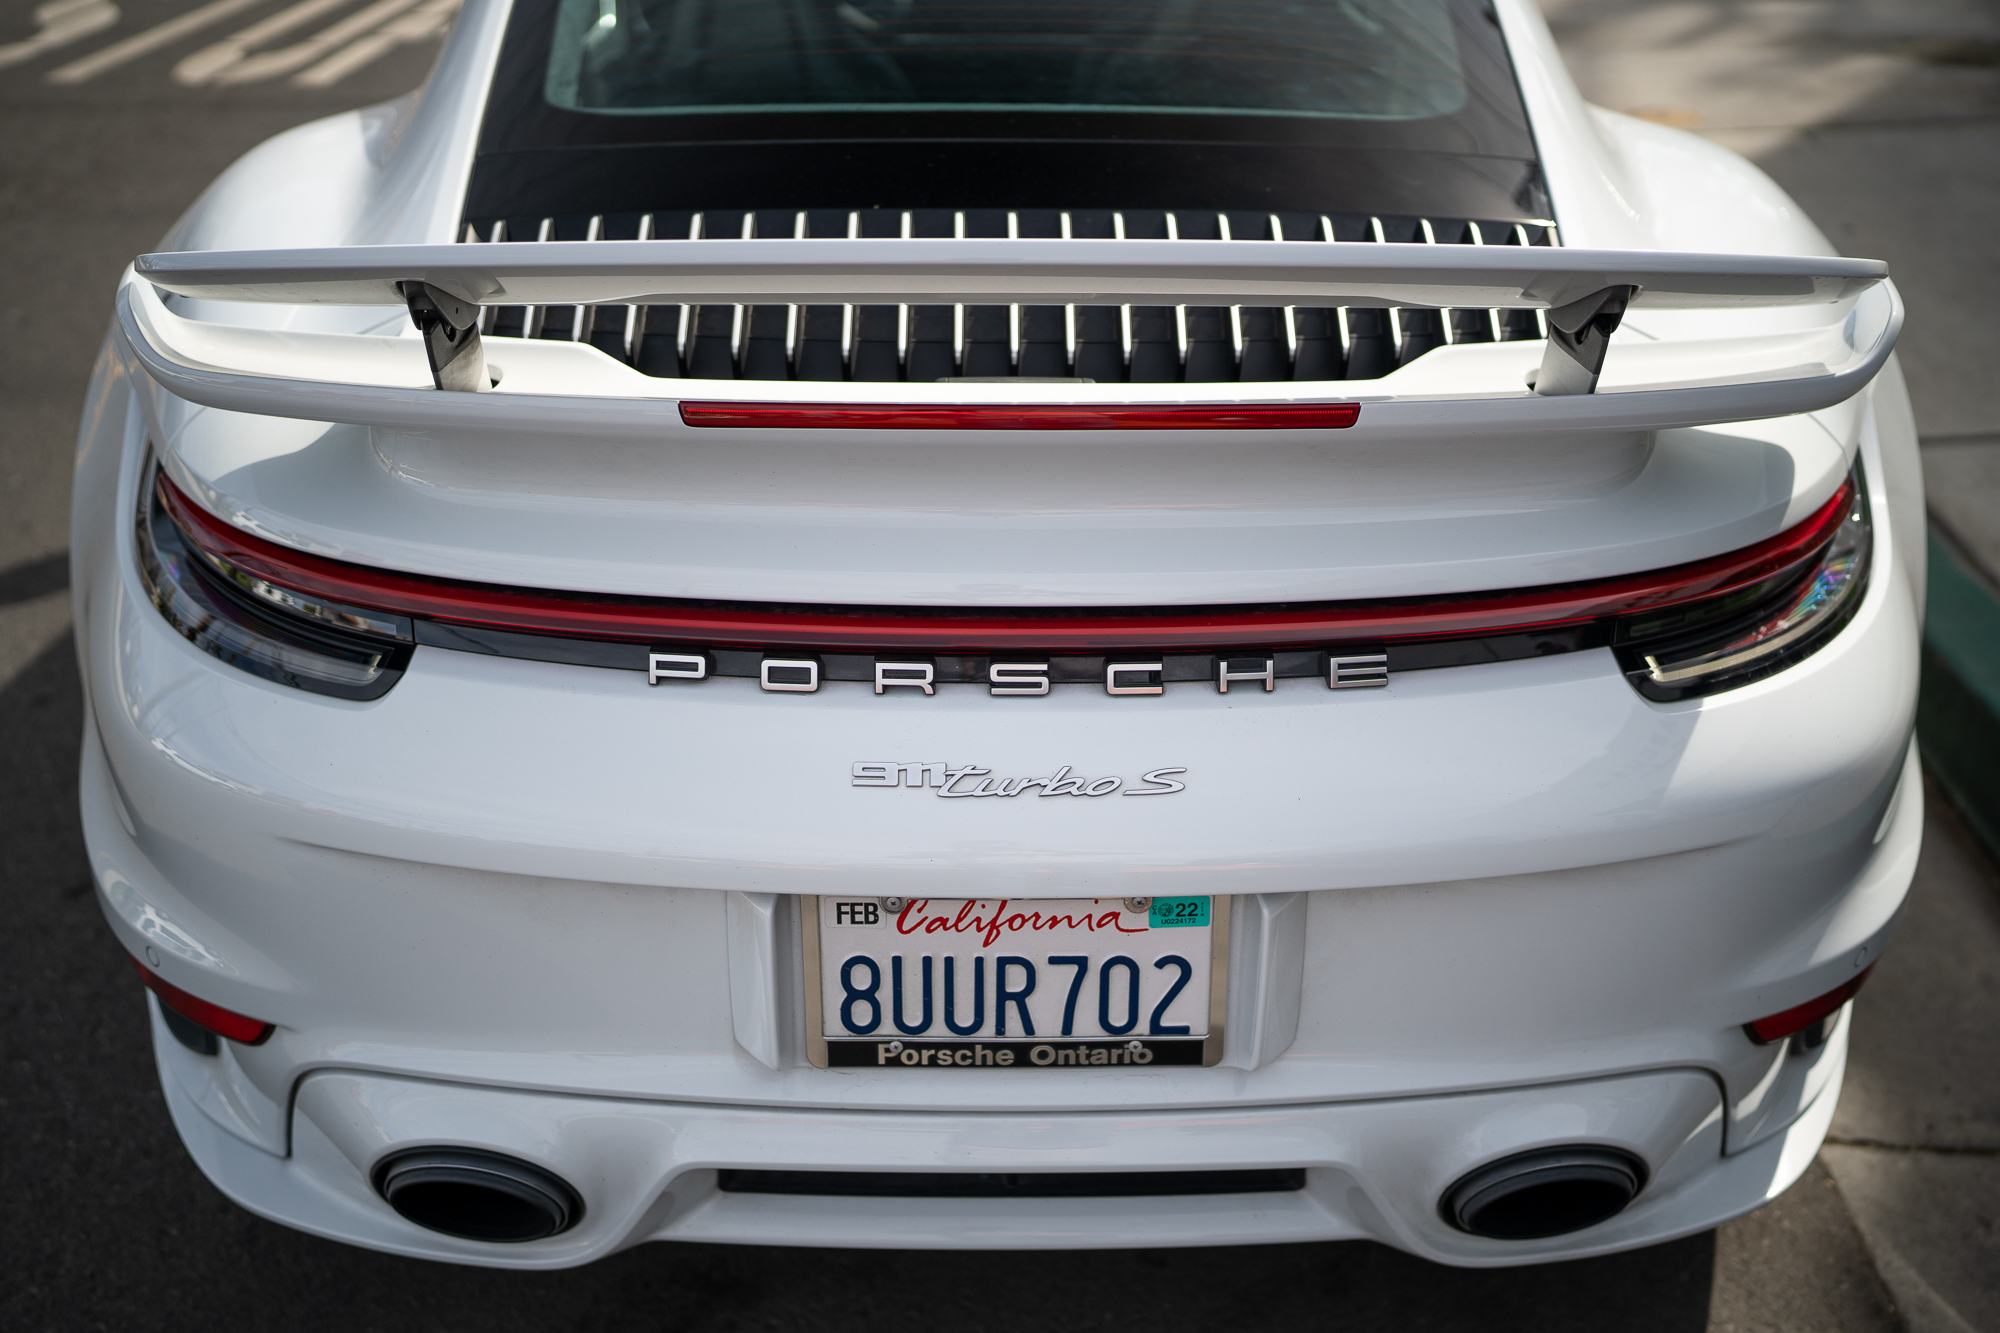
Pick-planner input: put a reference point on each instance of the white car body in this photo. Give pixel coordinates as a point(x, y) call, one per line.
point(552, 912)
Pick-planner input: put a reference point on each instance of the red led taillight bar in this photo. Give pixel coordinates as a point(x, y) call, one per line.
point(1088, 630)
point(1016, 416)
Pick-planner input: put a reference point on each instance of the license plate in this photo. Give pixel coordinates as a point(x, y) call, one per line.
point(996, 983)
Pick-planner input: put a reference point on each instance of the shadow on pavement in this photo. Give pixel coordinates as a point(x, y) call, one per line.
point(34, 578)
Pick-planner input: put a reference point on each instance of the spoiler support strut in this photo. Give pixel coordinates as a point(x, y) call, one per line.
point(451, 336)
point(1578, 335)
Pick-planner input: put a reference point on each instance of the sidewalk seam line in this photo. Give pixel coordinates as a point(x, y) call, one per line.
point(1936, 1149)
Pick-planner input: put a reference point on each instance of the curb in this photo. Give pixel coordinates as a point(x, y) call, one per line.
point(1958, 706)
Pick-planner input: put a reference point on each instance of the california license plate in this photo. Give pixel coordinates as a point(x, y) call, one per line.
point(997, 983)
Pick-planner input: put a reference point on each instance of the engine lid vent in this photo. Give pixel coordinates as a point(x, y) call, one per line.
point(929, 343)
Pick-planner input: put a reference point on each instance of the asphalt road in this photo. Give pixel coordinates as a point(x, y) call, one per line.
point(105, 1223)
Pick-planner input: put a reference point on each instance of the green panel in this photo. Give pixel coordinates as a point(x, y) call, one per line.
point(1958, 710)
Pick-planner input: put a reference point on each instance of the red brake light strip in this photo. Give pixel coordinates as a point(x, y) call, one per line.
point(1015, 416)
point(1091, 630)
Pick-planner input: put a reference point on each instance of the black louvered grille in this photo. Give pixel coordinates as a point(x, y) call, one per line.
point(925, 343)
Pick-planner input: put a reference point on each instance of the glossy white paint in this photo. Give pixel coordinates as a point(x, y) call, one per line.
point(1032, 517)
point(1023, 270)
point(527, 797)
point(549, 910)
point(1426, 495)
point(1371, 1166)
point(1621, 183)
point(381, 175)
point(1712, 372)
point(419, 821)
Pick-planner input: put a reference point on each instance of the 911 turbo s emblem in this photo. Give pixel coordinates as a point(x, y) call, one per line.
point(962, 780)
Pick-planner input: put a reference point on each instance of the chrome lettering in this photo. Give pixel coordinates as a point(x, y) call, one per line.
point(1366, 672)
point(952, 775)
point(789, 675)
point(675, 666)
point(911, 675)
point(959, 781)
point(1162, 784)
point(1115, 672)
point(1060, 785)
point(1261, 668)
point(1005, 678)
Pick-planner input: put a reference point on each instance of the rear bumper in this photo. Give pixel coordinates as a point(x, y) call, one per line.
point(648, 1171)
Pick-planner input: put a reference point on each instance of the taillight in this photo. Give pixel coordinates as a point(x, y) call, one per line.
point(347, 630)
point(282, 634)
point(1717, 643)
point(210, 1017)
point(1799, 1017)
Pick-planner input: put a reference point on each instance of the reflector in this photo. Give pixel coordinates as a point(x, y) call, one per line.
point(224, 1022)
point(1798, 1018)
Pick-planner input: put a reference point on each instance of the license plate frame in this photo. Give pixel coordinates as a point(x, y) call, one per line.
point(848, 1052)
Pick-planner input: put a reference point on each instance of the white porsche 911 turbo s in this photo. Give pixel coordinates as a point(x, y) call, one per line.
point(627, 598)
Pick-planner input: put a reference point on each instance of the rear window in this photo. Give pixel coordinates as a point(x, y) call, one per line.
point(1326, 59)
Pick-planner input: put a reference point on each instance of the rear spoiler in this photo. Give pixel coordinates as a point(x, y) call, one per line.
point(1850, 316)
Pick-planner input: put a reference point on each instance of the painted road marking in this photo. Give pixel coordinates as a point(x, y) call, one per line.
point(59, 23)
point(118, 53)
point(325, 58)
point(205, 64)
point(420, 24)
point(271, 64)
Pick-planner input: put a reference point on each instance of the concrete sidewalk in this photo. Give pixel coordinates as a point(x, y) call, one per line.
point(1916, 1144)
point(1882, 118)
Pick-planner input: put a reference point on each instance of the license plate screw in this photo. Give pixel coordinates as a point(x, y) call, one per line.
point(1137, 904)
point(895, 1048)
point(892, 904)
point(1135, 1046)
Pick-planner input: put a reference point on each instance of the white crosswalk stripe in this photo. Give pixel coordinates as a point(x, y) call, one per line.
point(319, 60)
point(205, 64)
point(273, 64)
point(149, 41)
point(57, 24)
point(421, 24)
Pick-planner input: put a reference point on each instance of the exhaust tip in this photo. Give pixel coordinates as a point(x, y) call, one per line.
point(1546, 1192)
point(477, 1195)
